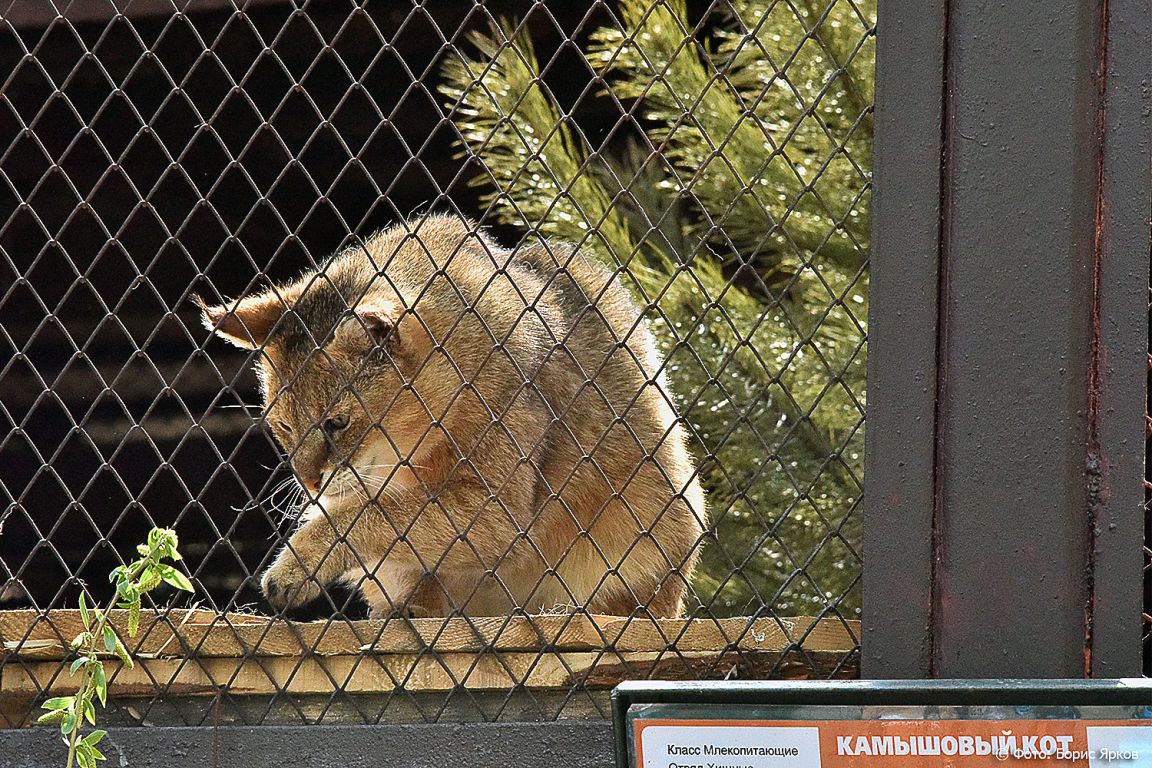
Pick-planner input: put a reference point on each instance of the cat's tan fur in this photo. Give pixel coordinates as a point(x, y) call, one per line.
point(508, 441)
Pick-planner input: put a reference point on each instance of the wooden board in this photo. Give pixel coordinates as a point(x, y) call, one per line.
point(206, 634)
point(196, 652)
point(386, 672)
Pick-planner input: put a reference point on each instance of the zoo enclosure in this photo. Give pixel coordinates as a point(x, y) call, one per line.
point(945, 79)
point(716, 156)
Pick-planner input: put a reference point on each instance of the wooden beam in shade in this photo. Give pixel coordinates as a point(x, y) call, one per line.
point(197, 652)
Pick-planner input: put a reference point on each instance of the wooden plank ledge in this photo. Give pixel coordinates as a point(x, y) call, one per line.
point(207, 634)
point(194, 652)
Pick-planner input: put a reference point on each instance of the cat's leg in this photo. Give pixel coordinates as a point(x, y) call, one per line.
point(310, 561)
point(401, 588)
point(346, 537)
point(429, 598)
point(475, 593)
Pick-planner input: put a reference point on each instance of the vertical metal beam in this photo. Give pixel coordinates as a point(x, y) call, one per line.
point(1002, 536)
point(899, 455)
point(1021, 172)
point(1123, 249)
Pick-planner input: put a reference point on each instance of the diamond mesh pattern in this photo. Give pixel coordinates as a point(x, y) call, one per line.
point(713, 157)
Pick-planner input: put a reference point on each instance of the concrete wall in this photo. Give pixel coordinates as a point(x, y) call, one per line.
point(572, 744)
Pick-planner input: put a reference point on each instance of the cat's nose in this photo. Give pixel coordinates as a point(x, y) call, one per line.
point(312, 483)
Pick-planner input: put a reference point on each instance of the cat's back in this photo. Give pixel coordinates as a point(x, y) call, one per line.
point(607, 363)
point(601, 317)
point(547, 304)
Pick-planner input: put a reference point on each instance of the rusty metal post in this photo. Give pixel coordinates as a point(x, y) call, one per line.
point(1008, 336)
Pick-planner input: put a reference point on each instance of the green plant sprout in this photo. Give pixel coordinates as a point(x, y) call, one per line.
point(132, 582)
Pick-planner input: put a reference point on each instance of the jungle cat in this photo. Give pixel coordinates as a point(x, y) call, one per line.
point(480, 430)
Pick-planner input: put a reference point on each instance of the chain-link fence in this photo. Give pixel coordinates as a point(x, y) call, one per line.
point(588, 404)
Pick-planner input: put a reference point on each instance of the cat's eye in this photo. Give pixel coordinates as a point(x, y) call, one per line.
point(333, 425)
point(284, 427)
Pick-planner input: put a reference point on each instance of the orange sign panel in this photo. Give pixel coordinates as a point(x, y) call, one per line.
point(1063, 743)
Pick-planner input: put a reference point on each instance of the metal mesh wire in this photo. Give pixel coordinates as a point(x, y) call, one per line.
point(710, 159)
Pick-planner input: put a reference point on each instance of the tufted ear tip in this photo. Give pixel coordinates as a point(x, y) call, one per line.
point(381, 326)
point(246, 322)
point(375, 317)
point(210, 315)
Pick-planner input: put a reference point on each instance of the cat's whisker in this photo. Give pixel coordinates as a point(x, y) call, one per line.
point(390, 466)
point(275, 508)
point(286, 483)
point(268, 499)
point(283, 489)
point(340, 484)
point(293, 503)
point(371, 482)
point(283, 499)
point(367, 486)
point(381, 492)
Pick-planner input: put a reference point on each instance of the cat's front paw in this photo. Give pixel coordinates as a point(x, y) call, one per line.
point(380, 612)
point(287, 584)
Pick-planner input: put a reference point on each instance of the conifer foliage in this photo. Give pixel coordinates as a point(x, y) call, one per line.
point(733, 200)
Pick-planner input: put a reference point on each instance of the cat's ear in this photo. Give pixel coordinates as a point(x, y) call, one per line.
point(376, 318)
point(248, 321)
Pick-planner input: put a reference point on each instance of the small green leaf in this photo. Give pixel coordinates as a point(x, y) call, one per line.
point(100, 681)
point(175, 578)
point(59, 702)
point(90, 752)
point(90, 712)
point(181, 582)
point(135, 566)
point(143, 549)
point(163, 541)
point(77, 664)
point(68, 724)
point(93, 738)
point(51, 717)
point(81, 639)
point(109, 638)
point(84, 617)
